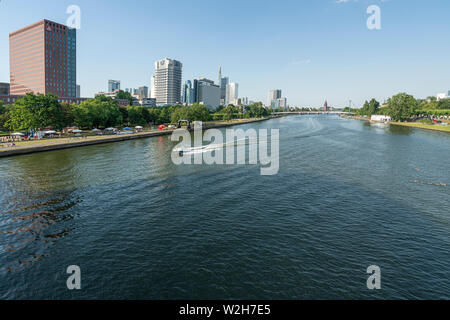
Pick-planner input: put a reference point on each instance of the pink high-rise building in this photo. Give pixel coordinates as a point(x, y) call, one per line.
point(43, 59)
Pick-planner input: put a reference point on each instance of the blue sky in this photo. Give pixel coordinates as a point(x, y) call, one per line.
point(311, 49)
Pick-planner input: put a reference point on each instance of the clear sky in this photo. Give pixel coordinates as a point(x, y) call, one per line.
point(311, 49)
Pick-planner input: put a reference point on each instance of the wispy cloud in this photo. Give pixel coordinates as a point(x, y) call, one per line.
point(344, 1)
point(304, 61)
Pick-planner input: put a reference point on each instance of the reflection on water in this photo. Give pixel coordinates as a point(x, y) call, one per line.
point(35, 208)
point(400, 130)
point(348, 195)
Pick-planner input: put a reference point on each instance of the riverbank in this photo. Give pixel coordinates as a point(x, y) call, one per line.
point(418, 125)
point(433, 127)
point(28, 147)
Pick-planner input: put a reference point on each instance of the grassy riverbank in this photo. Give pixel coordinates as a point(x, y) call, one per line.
point(418, 125)
point(27, 147)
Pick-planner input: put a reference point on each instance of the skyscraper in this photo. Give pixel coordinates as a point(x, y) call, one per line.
point(273, 95)
point(223, 83)
point(152, 87)
point(43, 59)
point(232, 93)
point(168, 74)
point(188, 93)
point(223, 90)
point(113, 85)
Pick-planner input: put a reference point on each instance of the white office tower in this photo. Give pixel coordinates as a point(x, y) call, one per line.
point(232, 93)
point(152, 87)
point(168, 74)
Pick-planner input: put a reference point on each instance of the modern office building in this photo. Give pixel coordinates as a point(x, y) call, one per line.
point(168, 75)
point(273, 95)
point(113, 85)
point(208, 93)
point(223, 83)
point(142, 92)
point(188, 93)
point(4, 89)
point(283, 103)
point(78, 91)
point(232, 93)
point(223, 90)
point(152, 87)
point(43, 59)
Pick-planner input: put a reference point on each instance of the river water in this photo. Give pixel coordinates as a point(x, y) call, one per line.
point(348, 195)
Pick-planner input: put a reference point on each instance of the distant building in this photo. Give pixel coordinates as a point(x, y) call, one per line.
point(112, 95)
point(188, 93)
point(283, 103)
point(441, 96)
point(274, 95)
point(168, 75)
point(208, 93)
point(148, 102)
point(113, 85)
point(325, 106)
point(152, 87)
point(223, 83)
point(232, 94)
point(78, 91)
point(142, 92)
point(223, 90)
point(4, 89)
point(123, 102)
point(43, 59)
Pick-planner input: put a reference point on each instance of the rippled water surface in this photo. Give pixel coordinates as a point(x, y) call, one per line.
point(348, 195)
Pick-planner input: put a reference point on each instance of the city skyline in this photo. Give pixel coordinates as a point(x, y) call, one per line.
point(338, 58)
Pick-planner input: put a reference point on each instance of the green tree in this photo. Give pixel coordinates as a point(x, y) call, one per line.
point(36, 111)
point(136, 116)
point(154, 115)
point(164, 116)
point(125, 95)
point(370, 108)
point(98, 112)
point(4, 115)
point(402, 107)
point(443, 104)
point(68, 116)
point(2, 107)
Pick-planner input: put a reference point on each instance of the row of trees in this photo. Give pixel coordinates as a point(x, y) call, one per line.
point(403, 107)
point(44, 111)
point(431, 103)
